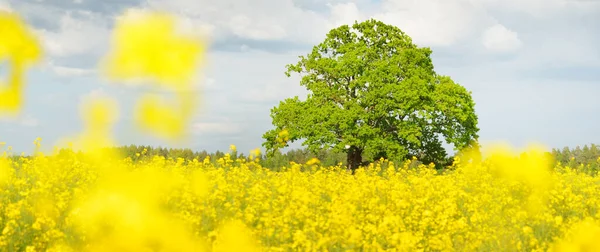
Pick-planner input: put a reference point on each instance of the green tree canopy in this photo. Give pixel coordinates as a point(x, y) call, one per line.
point(372, 94)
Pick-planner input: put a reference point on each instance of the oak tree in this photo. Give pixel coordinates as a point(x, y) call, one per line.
point(373, 93)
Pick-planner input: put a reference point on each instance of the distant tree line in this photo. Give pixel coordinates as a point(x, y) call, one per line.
point(274, 162)
point(585, 159)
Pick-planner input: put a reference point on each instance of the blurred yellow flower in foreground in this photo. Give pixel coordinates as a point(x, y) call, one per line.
point(18, 47)
point(235, 236)
point(584, 236)
point(147, 45)
point(99, 116)
point(156, 115)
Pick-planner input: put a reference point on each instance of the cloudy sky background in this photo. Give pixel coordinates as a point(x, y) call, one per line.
point(533, 65)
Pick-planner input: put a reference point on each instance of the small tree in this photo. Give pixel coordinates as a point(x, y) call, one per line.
point(373, 93)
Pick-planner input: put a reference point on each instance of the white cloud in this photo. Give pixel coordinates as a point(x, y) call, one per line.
point(5, 6)
point(345, 13)
point(220, 127)
point(199, 83)
point(260, 20)
point(188, 26)
point(76, 36)
point(538, 8)
point(435, 22)
point(555, 45)
point(258, 75)
point(210, 83)
point(257, 28)
point(96, 93)
point(272, 92)
point(25, 120)
point(498, 38)
point(71, 71)
point(64, 71)
point(183, 24)
point(29, 121)
point(92, 95)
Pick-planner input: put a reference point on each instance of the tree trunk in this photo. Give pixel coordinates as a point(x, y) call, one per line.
point(354, 158)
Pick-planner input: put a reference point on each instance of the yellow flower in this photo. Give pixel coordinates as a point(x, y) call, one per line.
point(232, 148)
point(6, 171)
point(283, 136)
point(235, 236)
point(19, 47)
point(37, 142)
point(558, 220)
point(255, 153)
point(98, 115)
point(159, 117)
point(313, 161)
point(146, 44)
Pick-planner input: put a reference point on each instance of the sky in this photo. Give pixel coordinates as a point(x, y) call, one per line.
point(533, 66)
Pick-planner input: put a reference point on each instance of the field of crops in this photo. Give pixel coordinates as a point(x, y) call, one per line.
point(70, 202)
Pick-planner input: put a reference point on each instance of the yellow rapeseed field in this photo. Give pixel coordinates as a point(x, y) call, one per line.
point(101, 201)
point(70, 202)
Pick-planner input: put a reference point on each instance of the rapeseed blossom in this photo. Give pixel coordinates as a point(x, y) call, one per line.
point(313, 161)
point(19, 48)
point(255, 154)
point(146, 45)
point(283, 136)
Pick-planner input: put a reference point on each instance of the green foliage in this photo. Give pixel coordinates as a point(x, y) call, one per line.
point(277, 160)
point(274, 162)
point(586, 159)
point(372, 94)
